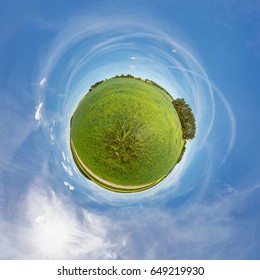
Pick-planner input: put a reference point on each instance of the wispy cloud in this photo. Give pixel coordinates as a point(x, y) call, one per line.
point(15, 126)
point(49, 226)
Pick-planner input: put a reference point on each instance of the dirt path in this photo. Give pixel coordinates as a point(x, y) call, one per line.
point(105, 181)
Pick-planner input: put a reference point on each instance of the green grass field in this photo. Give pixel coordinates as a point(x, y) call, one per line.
point(126, 135)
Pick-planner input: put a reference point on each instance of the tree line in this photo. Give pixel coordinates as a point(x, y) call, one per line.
point(186, 118)
point(187, 122)
point(130, 76)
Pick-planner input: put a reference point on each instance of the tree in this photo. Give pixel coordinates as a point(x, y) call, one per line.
point(186, 118)
point(182, 152)
point(95, 85)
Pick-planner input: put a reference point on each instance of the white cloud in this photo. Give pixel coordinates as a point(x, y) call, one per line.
point(72, 188)
point(133, 58)
point(43, 82)
point(55, 231)
point(46, 225)
point(63, 155)
point(38, 112)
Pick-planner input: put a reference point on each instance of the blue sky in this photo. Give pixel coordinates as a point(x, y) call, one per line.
point(51, 52)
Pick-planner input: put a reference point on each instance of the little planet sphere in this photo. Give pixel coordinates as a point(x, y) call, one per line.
point(127, 133)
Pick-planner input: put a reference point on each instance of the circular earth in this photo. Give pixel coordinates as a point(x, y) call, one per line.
point(126, 134)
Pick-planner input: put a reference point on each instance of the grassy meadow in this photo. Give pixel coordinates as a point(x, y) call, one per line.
point(126, 134)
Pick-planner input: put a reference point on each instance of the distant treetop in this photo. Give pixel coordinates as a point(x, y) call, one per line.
point(130, 76)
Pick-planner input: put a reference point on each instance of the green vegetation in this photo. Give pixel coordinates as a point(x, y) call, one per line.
point(186, 117)
point(126, 134)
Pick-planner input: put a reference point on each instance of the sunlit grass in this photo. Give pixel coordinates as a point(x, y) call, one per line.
point(127, 132)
